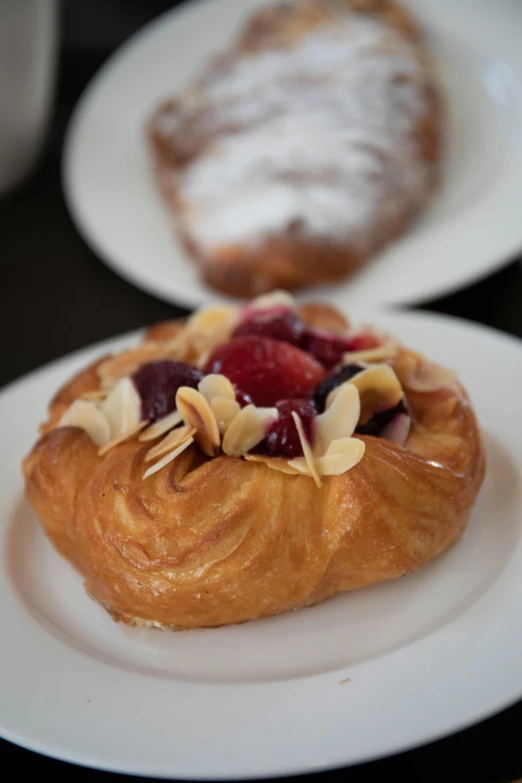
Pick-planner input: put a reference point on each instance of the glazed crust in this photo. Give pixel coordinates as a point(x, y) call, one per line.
point(287, 259)
point(207, 542)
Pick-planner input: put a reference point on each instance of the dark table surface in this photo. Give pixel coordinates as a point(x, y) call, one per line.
point(56, 297)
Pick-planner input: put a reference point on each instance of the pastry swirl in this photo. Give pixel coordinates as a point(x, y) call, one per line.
point(213, 540)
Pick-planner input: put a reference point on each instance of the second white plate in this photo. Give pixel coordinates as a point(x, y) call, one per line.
point(473, 226)
point(360, 676)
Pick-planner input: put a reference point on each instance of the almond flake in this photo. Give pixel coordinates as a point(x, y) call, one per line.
point(215, 385)
point(196, 412)
point(126, 362)
point(121, 439)
point(209, 327)
point(342, 455)
point(380, 354)
point(275, 463)
point(307, 451)
point(273, 299)
point(122, 408)
point(247, 429)
point(88, 417)
point(225, 411)
point(168, 458)
point(93, 396)
point(379, 389)
point(162, 426)
point(171, 441)
point(340, 418)
point(322, 316)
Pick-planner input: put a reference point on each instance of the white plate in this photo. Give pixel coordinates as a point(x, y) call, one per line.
point(360, 676)
point(473, 227)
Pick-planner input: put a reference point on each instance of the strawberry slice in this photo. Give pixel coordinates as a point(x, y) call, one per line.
point(267, 370)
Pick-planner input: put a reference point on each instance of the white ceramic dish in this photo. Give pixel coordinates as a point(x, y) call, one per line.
point(472, 228)
point(360, 676)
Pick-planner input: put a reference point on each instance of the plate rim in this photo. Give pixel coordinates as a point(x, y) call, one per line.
point(452, 725)
point(153, 284)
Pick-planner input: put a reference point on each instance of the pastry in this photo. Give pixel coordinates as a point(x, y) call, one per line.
point(253, 460)
point(303, 149)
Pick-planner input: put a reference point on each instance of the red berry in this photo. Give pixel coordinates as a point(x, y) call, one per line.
point(267, 370)
point(363, 342)
point(285, 326)
point(332, 382)
point(157, 384)
point(242, 398)
point(282, 438)
point(327, 348)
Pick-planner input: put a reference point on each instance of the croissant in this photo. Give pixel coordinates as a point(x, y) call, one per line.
point(251, 461)
point(304, 148)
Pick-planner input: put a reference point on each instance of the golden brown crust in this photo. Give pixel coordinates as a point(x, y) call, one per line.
point(206, 542)
point(286, 259)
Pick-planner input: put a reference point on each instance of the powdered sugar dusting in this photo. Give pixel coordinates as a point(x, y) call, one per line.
point(317, 139)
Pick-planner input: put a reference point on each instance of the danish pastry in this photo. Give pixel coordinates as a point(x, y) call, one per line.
point(304, 148)
point(250, 461)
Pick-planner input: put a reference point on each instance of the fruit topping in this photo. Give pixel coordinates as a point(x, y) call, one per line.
point(275, 301)
point(285, 326)
point(333, 450)
point(265, 369)
point(157, 384)
point(326, 347)
point(379, 390)
point(282, 437)
point(377, 425)
point(398, 429)
point(364, 341)
point(242, 398)
point(332, 381)
point(247, 429)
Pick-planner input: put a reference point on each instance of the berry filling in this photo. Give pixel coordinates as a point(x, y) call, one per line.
point(332, 382)
point(285, 326)
point(380, 421)
point(242, 398)
point(327, 348)
point(265, 369)
point(157, 384)
point(282, 438)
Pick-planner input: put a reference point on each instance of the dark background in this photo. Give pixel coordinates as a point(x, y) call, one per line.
point(56, 296)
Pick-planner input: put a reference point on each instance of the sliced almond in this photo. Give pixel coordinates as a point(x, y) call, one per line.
point(171, 441)
point(209, 327)
point(307, 450)
point(342, 455)
point(126, 362)
point(121, 439)
point(215, 385)
point(196, 412)
point(122, 408)
point(247, 429)
point(379, 389)
point(340, 418)
point(168, 458)
point(96, 395)
point(225, 411)
point(323, 316)
point(273, 299)
point(275, 463)
point(380, 354)
point(88, 417)
point(162, 426)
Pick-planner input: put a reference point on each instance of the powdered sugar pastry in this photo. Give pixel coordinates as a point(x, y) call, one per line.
point(317, 139)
